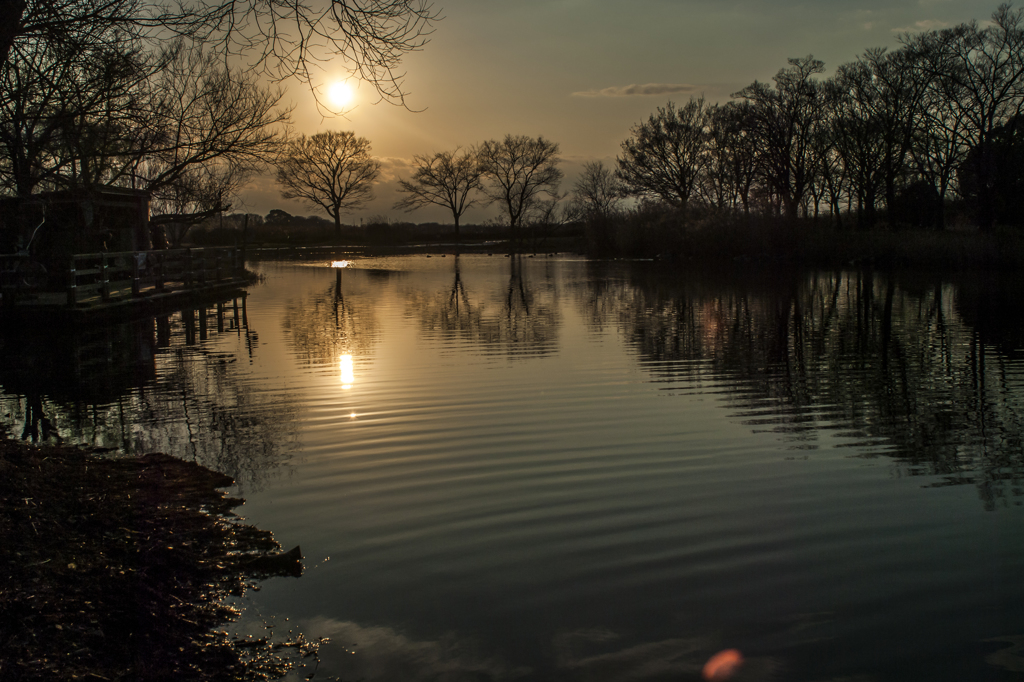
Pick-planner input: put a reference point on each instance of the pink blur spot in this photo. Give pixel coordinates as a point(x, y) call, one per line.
point(722, 665)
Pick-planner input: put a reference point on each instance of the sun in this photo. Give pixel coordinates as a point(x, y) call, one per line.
point(340, 94)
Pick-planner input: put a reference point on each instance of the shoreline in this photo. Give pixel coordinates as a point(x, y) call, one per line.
point(117, 569)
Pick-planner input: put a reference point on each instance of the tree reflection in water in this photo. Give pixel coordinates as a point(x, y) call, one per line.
point(326, 326)
point(519, 319)
point(145, 386)
point(891, 362)
point(450, 312)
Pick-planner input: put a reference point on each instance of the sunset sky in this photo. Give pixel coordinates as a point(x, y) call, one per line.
point(582, 72)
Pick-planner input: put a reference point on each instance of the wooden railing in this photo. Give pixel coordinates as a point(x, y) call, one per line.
point(139, 272)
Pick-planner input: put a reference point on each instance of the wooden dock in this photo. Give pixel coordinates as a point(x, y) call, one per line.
point(118, 283)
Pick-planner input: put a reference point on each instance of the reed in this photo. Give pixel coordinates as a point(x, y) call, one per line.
point(707, 236)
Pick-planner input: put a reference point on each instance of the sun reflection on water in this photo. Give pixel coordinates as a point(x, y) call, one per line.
point(347, 374)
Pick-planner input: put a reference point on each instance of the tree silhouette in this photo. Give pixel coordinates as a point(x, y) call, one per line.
point(978, 74)
point(520, 172)
point(330, 170)
point(666, 156)
point(1001, 193)
point(446, 179)
point(785, 121)
point(596, 198)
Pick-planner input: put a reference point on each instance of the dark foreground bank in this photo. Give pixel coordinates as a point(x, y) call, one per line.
point(118, 569)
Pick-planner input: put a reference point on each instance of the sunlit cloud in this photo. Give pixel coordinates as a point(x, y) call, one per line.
point(634, 90)
point(394, 167)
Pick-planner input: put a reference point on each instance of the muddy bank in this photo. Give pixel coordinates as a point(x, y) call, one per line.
point(116, 569)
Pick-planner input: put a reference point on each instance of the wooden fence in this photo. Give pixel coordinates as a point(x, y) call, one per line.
point(96, 278)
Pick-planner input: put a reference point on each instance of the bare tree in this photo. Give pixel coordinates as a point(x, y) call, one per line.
point(331, 170)
point(901, 93)
point(291, 39)
point(938, 148)
point(200, 193)
point(856, 127)
point(979, 76)
point(785, 120)
point(204, 116)
point(169, 124)
point(520, 172)
point(731, 169)
point(27, 26)
point(446, 179)
point(279, 39)
point(666, 155)
point(60, 101)
point(597, 191)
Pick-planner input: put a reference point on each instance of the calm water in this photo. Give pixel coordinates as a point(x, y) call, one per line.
point(550, 469)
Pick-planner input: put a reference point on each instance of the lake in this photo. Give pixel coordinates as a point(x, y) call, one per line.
point(554, 469)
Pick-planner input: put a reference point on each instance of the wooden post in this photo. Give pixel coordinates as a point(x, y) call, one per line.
point(136, 285)
point(189, 317)
point(163, 332)
point(202, 323)
point(104, 279)
point(72, 284)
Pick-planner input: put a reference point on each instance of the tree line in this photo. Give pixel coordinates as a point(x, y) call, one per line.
point(334, 171)
point(893, 136)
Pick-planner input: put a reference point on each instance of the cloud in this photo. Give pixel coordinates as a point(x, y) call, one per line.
point(638, 90)
point(394, 167)
point(923, 25)
point(377, 654)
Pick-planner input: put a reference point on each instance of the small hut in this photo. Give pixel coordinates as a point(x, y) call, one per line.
point(52, 226)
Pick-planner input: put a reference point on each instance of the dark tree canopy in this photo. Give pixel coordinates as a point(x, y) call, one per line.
point(997, 193)
point(785, 121)
point(977, 75)
point(177, 123)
